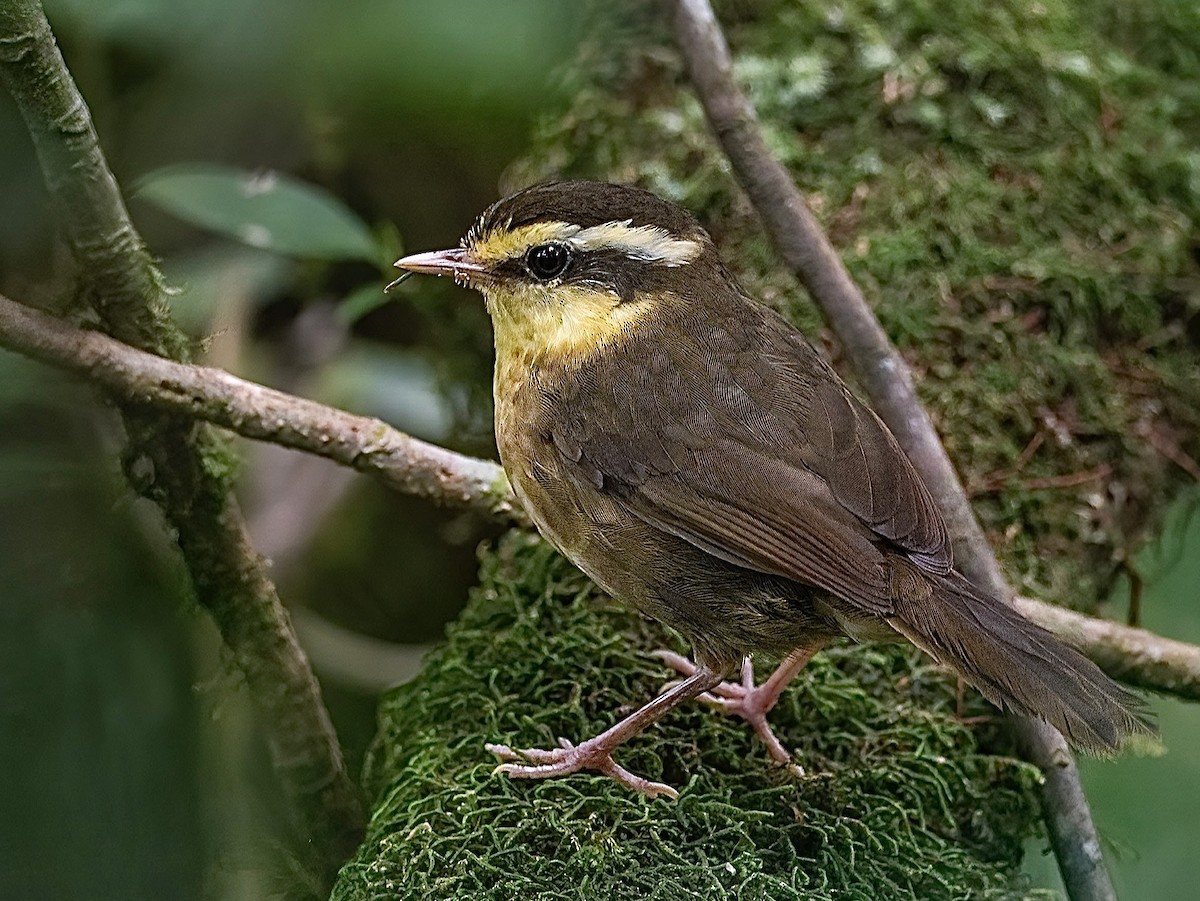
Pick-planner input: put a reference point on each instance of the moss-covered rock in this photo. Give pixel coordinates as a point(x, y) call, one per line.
point(897, 800)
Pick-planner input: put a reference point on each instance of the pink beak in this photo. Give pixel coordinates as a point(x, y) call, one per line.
point(441, 262)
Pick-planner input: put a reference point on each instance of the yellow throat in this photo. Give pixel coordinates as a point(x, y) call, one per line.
point(563, 323)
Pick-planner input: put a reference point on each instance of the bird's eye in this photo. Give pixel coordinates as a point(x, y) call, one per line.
point(547, 261)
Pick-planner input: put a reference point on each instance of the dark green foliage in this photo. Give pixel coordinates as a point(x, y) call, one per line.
point(1016, 188)
point(897, 802)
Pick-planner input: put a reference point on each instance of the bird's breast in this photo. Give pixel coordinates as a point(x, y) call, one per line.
point(594, 531)
point(528, 455)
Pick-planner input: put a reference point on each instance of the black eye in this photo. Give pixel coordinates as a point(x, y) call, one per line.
point(547, 261)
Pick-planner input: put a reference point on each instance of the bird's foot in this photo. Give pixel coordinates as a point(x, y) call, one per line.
point(537, 763)
point(743, 699)
point(596, 753)
point(960, 707)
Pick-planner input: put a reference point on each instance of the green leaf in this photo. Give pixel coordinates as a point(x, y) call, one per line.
point(361, 301)
point(264, 209)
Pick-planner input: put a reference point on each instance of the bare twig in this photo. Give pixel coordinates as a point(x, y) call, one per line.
point(1169, 448)
point(368, 445)
point(181, 465)
point(414, 467)
point(1136, 586)
point(1067, 480)
point(1135, 656)
point(888, 381)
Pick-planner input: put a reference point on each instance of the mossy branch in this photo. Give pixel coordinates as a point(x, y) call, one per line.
point(896, 801)
point(889, 383)
point(411, 466)
point(180, 464)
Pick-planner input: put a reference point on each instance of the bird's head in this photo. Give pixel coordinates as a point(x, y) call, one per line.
point(568, 267)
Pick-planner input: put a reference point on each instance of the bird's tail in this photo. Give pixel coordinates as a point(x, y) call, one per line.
point(1018, 665)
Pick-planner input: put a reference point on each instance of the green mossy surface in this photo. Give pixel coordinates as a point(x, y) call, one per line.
point(897, 800)
point(1016, 188)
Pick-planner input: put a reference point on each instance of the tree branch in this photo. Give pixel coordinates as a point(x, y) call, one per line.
point(412, 466)
point(1135, 656)
point(183, 466)
point(368, 445)
point(888, 382)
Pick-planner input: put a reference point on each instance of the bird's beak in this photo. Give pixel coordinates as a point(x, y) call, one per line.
point(440, 262)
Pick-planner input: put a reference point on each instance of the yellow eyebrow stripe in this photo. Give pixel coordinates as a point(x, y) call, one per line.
point(507, 244)
point(647, 243)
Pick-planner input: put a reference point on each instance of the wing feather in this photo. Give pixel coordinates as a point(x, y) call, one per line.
point(741, 440)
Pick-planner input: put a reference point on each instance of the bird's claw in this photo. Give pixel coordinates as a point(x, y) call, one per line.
point(742, 699)
point(541, 763)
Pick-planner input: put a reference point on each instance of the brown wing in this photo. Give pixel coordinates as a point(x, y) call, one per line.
point(736, 437)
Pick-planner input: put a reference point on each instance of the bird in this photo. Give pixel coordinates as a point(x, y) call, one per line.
point(691, 452)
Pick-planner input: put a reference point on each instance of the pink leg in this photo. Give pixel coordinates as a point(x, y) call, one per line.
point(752, 703)
point(596, 753)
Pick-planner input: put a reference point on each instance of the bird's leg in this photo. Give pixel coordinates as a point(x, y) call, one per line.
point(596, 753)
point(960, 706)
point(745, 699)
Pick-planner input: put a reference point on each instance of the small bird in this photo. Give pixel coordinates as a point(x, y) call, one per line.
point(693, 454)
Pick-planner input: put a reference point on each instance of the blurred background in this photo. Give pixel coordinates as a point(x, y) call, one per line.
point(130, 766)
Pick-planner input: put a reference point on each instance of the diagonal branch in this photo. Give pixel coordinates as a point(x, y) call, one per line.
point(401, 462)
point(1132, 655)
point(888, 382)
point(182, 465)
point(444, 477)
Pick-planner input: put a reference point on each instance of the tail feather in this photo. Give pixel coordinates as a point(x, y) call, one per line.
point(1018, 665)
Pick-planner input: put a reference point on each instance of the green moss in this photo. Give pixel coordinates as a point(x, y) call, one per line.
point(897, 802)
point(221, 463)
point(1015, 186)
